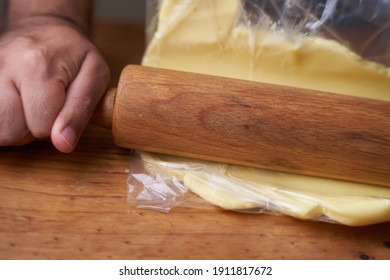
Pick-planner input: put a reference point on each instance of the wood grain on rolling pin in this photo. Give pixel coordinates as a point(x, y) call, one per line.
point(254, 124)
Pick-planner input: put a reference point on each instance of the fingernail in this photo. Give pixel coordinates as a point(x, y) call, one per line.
point(69, 136)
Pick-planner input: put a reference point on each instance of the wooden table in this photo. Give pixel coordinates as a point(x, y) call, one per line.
point(57, 206)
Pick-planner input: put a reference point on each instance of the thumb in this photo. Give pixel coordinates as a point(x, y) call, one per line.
point(82, 96)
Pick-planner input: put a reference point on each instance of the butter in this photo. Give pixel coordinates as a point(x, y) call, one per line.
point(206, 37)
point(254, 190)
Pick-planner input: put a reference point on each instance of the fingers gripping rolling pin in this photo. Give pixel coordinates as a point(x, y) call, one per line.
point(250, 123)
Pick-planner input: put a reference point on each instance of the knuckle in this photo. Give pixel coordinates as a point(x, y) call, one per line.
point(35, 60)
point(106, 73)
point(82, 105)
point(34, 56)
point(103, 68)
point(100, 67)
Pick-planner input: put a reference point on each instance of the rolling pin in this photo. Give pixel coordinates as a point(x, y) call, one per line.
point(249, 123)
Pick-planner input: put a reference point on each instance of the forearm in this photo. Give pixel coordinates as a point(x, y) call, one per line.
point(75, 12)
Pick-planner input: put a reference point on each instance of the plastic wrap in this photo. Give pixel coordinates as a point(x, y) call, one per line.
point(361, 25)
point(337, 46)
point(162, 182)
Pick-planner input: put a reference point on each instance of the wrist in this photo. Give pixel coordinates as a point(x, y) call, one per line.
point(75, 13)
point(44, 19)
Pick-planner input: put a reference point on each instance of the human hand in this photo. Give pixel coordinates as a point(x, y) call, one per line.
point(51, 79)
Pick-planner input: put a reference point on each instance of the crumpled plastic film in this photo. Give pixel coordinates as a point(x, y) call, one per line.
point(153, 184)
point(329, 45)
point(363, 26)
point(164, 182)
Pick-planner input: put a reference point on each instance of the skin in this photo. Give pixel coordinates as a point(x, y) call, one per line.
point(51, 74)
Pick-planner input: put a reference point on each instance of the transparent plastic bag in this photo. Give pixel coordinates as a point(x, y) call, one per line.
point(152, 186)
point(331, 45)
point(361, 25)
point(355, 32)
point(162, 182)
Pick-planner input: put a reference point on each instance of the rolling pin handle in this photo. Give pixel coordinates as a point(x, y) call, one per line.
point(104, 110)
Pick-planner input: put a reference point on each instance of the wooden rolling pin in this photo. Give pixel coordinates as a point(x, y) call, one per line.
point(250, 123)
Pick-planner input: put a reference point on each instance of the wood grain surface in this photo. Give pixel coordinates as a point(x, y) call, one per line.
point(57, 206)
